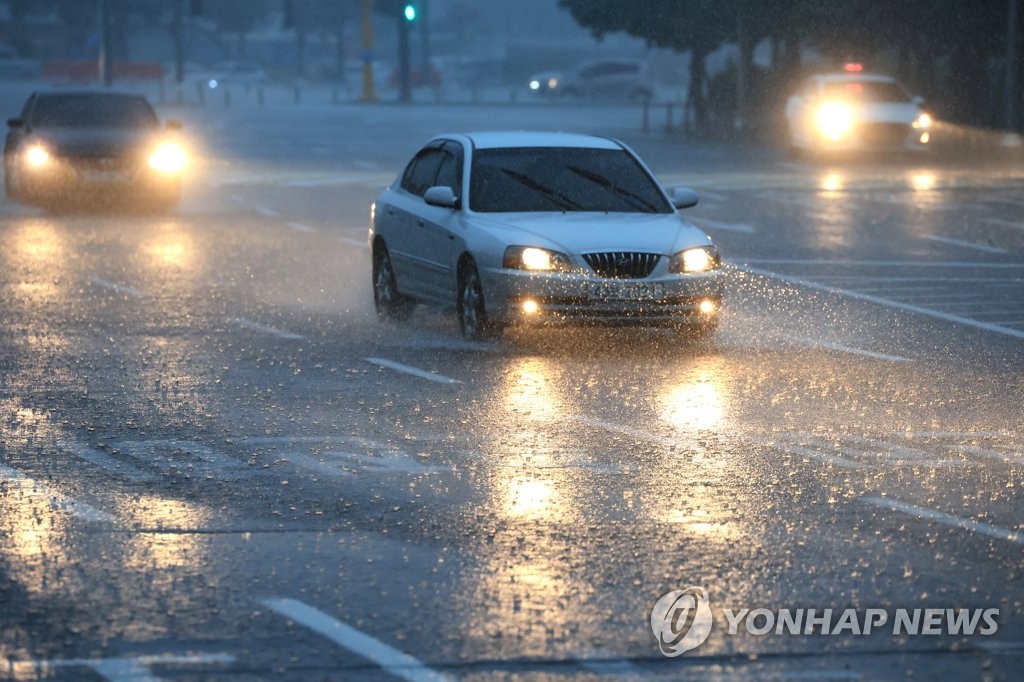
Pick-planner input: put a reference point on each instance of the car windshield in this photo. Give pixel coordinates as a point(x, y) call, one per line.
point(94, 111)
point(530, 179)
point(868, 91)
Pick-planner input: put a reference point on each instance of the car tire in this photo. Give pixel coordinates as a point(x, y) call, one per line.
point(474, 322)
point(388, 302)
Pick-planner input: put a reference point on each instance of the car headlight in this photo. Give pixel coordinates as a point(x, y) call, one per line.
point(534, 258)
point(923, 121)
point(168, 158)
point(37, 156)
point(535, 85)
point(835, 120)
point(699, 259)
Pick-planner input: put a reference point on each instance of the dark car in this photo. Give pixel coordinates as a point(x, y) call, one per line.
point(73, 148)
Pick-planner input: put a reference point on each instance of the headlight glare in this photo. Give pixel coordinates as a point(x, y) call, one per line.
point(168, 158)
point(835, 120)
point(36, 156)
point(535, 258)
point(699, 259)
point(923, 121)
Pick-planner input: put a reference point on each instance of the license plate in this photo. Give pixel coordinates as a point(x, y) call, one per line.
point(626, 291)
point(106, 176)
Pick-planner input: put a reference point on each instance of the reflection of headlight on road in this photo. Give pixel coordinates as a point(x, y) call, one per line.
point(36, 156)
point(835, 120)
point(168, 158)
point(923, 121)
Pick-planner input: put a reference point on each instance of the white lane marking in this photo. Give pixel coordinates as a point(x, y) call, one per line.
point(257, 327)
point(878, 447)
point(965, 244)
point(267, 212)
point(944, 518)
point(115, 669)
point(1004, 457)
point(110, 463)
point(406, 369)
point(56, 499)
point(958, 319)
point(892, 263)
point(828, 345)
point(113, 286)
point(715, 225)
point(638, 434)
point(360, 243)
point(1003, 223)
point(822, 456)
point(301, 227)
point(391, 660)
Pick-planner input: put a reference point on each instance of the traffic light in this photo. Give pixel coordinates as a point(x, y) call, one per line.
point(409, 12)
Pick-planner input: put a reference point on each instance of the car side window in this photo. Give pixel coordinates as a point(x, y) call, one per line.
point(449, 174)
point(420, 173)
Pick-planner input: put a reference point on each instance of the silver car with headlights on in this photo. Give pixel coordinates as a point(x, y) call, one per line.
point(540, 229)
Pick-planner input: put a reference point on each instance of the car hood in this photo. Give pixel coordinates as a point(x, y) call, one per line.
point(889, 112)
point(95, 142)
point(575, 233)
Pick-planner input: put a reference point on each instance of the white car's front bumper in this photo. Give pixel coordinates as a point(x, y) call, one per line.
point(572, 299)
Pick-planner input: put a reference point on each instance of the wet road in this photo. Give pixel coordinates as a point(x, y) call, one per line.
point(216, 464)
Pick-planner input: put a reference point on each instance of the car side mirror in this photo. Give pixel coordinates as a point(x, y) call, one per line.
point(683, 197)
point(172, 124)
point(441, 196)
point(15, 122)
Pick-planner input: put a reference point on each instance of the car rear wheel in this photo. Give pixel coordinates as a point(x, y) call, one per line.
point(473, 319)
point(390, 304)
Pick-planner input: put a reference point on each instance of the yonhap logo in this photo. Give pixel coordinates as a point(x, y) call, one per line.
point(681, 620)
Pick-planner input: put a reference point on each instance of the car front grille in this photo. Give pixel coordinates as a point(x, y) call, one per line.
point(622, 264)
point(885, 133)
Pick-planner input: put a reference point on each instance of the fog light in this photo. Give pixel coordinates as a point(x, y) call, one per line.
point(707, 306)
point(925, 137)
point(530, 307)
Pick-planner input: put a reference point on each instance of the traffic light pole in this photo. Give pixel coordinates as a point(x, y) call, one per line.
point(405, 91)
point(1013, 65)
point(366, 16)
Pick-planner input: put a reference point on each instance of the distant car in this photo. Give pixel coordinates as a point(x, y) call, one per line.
point(231, 74)
point(540, 229)
point(545, 83)
point(14, 66)
point(624, 79)
point(70, 148)
point(851, 110)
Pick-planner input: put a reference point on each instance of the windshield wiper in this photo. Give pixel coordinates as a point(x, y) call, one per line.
point(631, 197)
point(553, 195)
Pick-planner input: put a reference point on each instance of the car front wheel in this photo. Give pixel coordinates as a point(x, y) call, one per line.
point(473, 319)
point(390, 304)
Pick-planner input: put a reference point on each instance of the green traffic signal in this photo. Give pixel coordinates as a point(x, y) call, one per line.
point(410, 12)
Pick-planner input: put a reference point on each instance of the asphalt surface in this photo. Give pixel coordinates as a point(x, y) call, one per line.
point(216, 464)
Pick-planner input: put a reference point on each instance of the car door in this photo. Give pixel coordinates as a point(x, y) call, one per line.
point(403, 214)
point(435, 226)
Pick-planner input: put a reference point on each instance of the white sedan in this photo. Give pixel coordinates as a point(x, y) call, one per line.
point(852, 110)
point(540, 229)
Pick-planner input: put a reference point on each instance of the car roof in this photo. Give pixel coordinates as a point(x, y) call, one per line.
point(495, 140)
point(845, 77)
point(88, 93)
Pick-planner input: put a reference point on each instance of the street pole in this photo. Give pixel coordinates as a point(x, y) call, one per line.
point(423, 19)
point(106, 76)
point(404, 92)
point(179, 41)
point(366, 16)
point(1012, 65)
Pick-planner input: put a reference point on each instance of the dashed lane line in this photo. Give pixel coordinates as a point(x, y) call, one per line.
point(414, 371)
point(12, 478)
point(257, 327)
point(114, 286)
point(390, 659)
point(927, 514)
point(964, 244)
